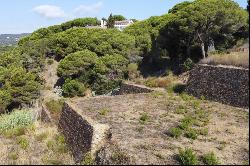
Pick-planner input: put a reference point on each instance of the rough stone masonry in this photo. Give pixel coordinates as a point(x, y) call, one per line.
point(228, 85)
point(82, 134)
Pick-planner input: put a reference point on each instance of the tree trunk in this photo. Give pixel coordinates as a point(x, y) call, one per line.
point(203, 50)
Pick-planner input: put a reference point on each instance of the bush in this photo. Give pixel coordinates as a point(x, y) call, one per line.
point(133, 70)
point(175, 132)
point(188, 64)
point(72, 88)
point(187, 122)
point(158, 82)
point(187, 157)
point(210, 159)
point(55, 106)
point(23, 142)
point(191, 133)
point(18, 118)
point(144, 118)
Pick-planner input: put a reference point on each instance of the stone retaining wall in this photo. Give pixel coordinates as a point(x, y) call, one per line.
point(228, 85)
point(81, 133)
point(131, 89)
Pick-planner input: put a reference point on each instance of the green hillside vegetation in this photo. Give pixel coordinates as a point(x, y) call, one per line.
point(98, 58)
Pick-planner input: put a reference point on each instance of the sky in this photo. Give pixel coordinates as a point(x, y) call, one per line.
point(25, 16)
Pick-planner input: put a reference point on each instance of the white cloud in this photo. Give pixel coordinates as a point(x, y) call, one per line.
point(49, 11)
point(89, 9)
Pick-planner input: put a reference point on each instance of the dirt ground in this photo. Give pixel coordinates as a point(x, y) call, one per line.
point(148, 141)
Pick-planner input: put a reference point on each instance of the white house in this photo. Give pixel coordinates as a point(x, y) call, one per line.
point(121, 25)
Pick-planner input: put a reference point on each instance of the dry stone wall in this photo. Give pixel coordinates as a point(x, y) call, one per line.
point(81, 133)
point(131, 89)
point(228, 85)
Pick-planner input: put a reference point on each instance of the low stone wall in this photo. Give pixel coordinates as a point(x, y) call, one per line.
point(228, 85)
point(81, 133)
point(131, 89)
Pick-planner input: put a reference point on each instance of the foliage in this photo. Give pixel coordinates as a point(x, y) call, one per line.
point(187, 157)
point(18, 118)
point(73, 88)
point(23, 142)
point(54, 106)
point(191, 133)
point(175, 132)
point(111, 21)
point(202, 23)
point(188, 64)
point(210, 159)
point(119, 17)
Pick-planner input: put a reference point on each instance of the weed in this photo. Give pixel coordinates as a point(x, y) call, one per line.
point(188, 157)
point(87, 160)
point(144, 118)
point(210, 159)
point(187, 122)
point(55, 106)
point(41, 136)
point(119, 157)
point(18, 131)
point(58, 145)
point(203, 131)
point(180, 110)
point(23, 142)
point(186, 97)
point(13, 156)
point(104, 112)
point(191, 133)
point(175, 132)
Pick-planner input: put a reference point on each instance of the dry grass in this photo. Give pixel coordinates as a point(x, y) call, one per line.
point(141, 123)
point(239, 59)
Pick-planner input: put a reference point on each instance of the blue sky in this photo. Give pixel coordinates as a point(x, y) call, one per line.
point(18, 16)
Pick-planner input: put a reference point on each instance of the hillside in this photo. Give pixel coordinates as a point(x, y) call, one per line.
point(87, 67)
point(11, 39)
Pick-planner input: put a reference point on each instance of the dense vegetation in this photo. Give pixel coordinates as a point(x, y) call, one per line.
point(98, 58)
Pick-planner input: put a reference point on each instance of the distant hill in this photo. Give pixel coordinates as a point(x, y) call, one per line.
point(10, 39)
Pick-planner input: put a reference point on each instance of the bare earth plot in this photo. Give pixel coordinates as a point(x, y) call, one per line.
point(140, 125)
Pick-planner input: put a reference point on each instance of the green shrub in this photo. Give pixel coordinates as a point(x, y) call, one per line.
point(187, 157)
point(23, 142)
point(188, 64)
point(41, 136)
point(58, 144)
point(158, 82)
point(104, 112)
point(54, 106)
point(175, 132)
point(88, 160)
point(144, 118)
point(180, 110)
point(187, 122)
point(133, 70)
point(191, 133)
point(17, 131)
point(203, 131)
point(210, 159)
point(18, 118)
point(72, 88)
